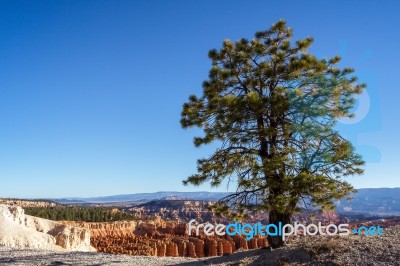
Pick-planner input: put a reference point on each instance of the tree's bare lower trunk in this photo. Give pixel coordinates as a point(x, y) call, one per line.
point(274, 218)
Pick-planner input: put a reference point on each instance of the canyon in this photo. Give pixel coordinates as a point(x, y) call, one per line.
point(161, 230)
point(162, 238)
point(182, 210)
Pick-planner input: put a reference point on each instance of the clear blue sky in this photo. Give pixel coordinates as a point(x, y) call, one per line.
point(91, 91)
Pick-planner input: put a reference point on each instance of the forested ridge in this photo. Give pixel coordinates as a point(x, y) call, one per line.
point(75, 213)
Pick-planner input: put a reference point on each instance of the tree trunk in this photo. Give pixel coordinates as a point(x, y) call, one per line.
point(274, 218)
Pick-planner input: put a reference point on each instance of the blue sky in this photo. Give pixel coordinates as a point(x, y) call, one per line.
point(91, 91)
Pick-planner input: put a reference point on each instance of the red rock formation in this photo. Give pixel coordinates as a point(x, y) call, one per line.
point(161, 249)
point(262, 242)
point(199, 248)
point(183, 248)
point(160, 238)
point(172, 250)
point(212, 248)
point(191, 250)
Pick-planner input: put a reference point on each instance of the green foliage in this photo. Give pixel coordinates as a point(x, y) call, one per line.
point(84, 214)
point(273, 108)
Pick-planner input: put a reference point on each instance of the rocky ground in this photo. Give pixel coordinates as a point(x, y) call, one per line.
point(350, 250)
point(11, 256)
point(356, 250)
point(24, 257)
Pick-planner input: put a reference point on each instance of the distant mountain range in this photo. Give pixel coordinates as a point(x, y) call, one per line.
point(374, 201)
point(144, 197)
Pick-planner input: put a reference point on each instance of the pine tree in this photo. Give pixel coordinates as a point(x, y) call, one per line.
point(273, 107)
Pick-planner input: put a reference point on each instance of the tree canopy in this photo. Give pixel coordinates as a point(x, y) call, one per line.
point(273, 108)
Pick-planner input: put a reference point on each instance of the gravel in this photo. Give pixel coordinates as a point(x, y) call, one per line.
point(12, 256)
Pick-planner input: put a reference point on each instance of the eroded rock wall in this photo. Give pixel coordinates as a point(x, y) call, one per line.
point(28, 203)
point(24, 231)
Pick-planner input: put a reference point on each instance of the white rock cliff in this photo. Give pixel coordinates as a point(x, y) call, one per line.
point(25, 231)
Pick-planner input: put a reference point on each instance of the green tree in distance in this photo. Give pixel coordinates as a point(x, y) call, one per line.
point(272, 106)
